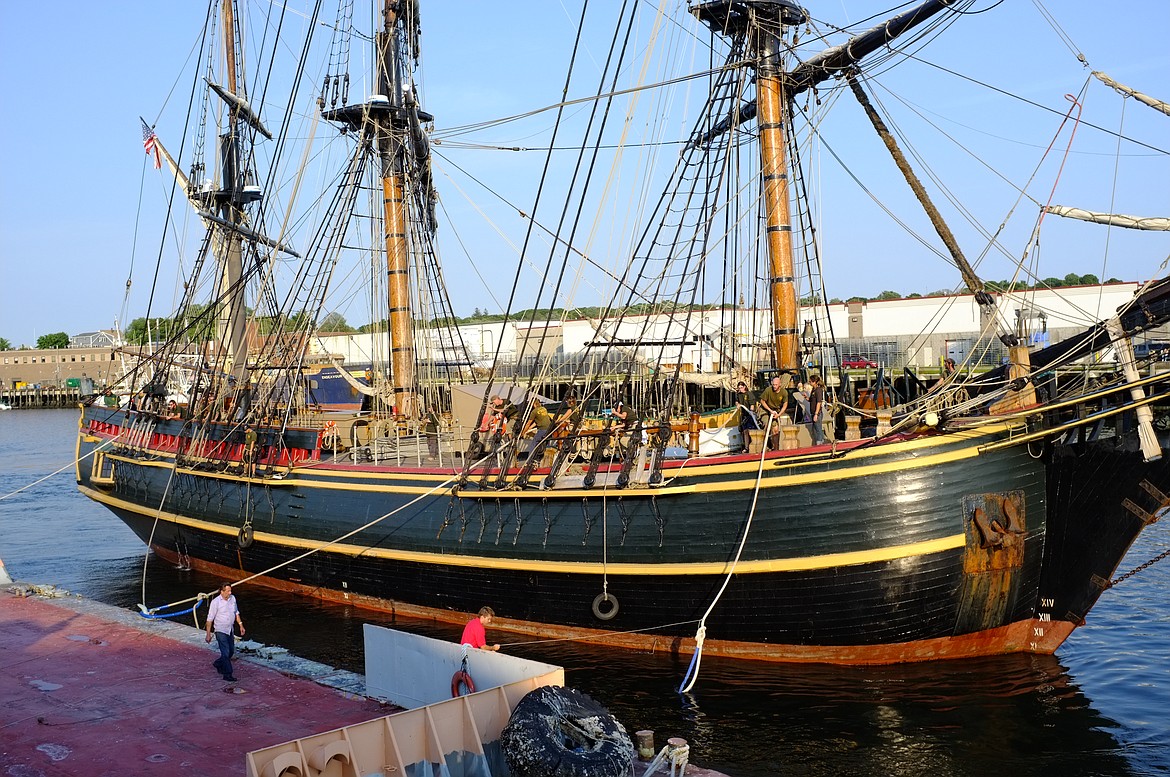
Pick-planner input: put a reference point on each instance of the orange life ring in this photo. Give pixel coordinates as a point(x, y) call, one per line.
point(328, 432)
point(461, 678)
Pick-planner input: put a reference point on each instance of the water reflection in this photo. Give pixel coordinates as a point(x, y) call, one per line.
point(1020, 713)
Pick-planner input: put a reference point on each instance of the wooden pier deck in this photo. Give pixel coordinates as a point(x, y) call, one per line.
point(40, 397)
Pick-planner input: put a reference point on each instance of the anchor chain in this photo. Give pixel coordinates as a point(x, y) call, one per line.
point(1139, 568)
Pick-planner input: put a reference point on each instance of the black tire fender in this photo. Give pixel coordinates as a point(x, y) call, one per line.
point(561, 732)
point(600, 601)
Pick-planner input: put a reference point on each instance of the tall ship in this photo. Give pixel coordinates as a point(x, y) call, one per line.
point(620, 496)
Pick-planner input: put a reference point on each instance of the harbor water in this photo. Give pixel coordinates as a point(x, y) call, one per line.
point(1099, 707)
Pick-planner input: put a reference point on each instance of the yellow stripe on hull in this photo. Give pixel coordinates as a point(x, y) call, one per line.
point(802, 564)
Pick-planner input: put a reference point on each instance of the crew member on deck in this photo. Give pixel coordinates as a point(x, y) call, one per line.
point(491, 426)
point(622, 417)
point(816, 401)
point(491, 419)
point(569, 417)
point(568, 422)
point(510, 415)
point(431, 424)
point(251, 441)
point(541, 421)
point(774, 402)
point(624, 420)
point(745, 401)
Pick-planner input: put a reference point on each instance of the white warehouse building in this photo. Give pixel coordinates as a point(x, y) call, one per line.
point(916, 332)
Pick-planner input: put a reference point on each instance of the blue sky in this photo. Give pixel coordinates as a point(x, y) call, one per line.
point(76, 77)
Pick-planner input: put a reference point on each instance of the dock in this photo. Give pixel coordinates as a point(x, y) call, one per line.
point(40, 397)
point(93, 689)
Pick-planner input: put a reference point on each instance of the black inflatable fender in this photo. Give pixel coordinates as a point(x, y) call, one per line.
point(561, 732)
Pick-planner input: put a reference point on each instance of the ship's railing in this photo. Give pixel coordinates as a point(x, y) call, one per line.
point(391, 442)
point(589, 456)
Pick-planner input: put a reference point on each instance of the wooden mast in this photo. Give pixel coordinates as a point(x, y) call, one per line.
point(230, 320)
point(773, 120)
point(761, 23)
point(390, 141)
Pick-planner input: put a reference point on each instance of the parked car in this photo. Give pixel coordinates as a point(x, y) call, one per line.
point(855, 362)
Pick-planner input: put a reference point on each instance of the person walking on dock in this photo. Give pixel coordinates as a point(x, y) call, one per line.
point(474, 633)
point(222, 615)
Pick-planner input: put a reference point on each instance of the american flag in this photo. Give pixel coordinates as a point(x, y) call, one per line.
point(148, 142)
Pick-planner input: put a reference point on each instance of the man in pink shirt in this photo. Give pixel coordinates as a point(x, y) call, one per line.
point(474, 634)
point(222, 616)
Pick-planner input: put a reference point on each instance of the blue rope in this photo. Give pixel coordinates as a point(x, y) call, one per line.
point(160, 612)
point(690, 670)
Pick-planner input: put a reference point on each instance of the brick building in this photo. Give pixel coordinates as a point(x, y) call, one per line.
point(54, 366)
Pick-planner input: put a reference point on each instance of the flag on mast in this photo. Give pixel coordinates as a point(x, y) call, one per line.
point(148, 143)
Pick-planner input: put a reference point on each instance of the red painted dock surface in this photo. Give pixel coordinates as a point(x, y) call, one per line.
point(90, 689)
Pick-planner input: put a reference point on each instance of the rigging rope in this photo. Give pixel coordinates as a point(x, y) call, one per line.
point(311, 551)
point(1033, 103)
point(701, 633)
point(157, 516)
point(1112, 201)
point(600, 635)
point(73, 463)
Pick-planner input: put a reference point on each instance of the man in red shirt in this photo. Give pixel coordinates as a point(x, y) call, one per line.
point(474, 634)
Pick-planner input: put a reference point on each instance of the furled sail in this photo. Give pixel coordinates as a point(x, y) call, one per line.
point(1153, 223)
point(1156, 104)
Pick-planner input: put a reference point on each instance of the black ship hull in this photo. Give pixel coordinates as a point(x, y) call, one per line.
point(929, 547)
